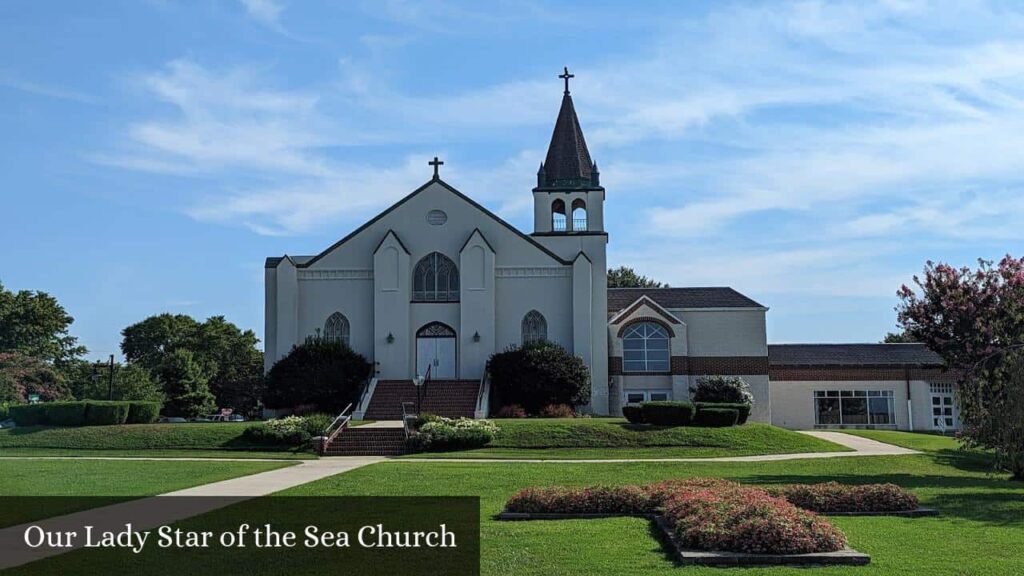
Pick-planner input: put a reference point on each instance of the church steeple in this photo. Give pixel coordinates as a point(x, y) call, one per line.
point(568, 163)
point(568, 198)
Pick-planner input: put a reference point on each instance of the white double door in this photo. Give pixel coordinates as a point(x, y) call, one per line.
point(438, 354)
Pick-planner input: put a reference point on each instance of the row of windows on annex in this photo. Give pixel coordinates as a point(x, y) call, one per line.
point(534, 328)
point(562, 221)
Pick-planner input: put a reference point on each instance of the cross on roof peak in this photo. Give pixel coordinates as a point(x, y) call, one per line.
point(436, 164)
point(565, 76)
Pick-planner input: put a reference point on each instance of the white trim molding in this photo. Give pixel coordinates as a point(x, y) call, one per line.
point(337, 274)
point(532, 271)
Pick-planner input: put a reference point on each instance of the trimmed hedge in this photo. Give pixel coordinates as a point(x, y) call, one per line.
point(831, 497)
point(65, 413)
point(634, 413)
point(668, 413)
point(589, 500)
point(716, 417)
point(742, 408)
point(28, 414)
point(143, 412)
point(106, 413)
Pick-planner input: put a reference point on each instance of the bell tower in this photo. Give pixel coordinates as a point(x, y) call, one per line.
point(568, 198)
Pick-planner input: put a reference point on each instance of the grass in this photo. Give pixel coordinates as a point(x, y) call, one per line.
point(105, 481)
point(224, 438)
point(615, 438)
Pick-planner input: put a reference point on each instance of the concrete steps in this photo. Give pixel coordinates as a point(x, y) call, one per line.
point(450, 398)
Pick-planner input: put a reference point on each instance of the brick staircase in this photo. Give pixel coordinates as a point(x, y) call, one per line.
point(360, 441)
point(451, 398)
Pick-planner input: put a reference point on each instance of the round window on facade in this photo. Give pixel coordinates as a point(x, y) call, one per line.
point(436, 217)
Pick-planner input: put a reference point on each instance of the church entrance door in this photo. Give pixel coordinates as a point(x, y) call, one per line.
point(435, 348)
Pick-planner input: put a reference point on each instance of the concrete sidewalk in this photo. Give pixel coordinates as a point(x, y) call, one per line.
point(152, 512)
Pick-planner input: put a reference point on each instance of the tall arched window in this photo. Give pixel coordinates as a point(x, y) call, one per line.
point(336, 328)
point(435, 279)
point(645, 348)
point(558, 216)
point(535, 327)
point(579, 215)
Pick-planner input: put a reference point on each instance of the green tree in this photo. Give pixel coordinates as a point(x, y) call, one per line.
point(898, 338)
point(36, 325)
point(91, 381)
point(536, 375)
point(624, 277)
point(186, 386)
point(227, 354)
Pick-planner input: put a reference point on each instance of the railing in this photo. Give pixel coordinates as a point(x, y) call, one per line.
point(335, 428)
point(579, 224)
point(364, 399)
point(558, 224)
point(483, 397)
point(405, 420)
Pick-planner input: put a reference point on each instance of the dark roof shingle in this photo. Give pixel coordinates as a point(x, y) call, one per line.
point(851, 355)
point(716, 297)
point(568, 161)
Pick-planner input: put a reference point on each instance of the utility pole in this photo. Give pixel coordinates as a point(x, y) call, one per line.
point(110, 386)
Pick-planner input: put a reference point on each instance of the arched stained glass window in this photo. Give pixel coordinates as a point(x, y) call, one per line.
point(435, 279)
point(336, 328)
point(535, 327)
point(645, 348)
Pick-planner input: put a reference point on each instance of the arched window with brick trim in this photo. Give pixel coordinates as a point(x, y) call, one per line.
point(645, 348)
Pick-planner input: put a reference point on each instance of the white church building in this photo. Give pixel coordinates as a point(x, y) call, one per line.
point(438, 282)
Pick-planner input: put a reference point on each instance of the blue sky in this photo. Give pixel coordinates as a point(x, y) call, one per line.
point(812, 155)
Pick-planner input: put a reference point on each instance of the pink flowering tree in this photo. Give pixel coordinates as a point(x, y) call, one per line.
point(974, 319)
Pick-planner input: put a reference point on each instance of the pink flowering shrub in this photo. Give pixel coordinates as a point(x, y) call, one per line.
point(834, 497)
point(659, 492)
point(589, 500)
point(748, 520)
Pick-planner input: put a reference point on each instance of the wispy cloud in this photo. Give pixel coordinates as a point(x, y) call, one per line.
point(266, 12)
point(29, 87)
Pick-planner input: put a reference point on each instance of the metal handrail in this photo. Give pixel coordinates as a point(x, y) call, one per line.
point(482, 393)
point(405, 419)
point(344, 418)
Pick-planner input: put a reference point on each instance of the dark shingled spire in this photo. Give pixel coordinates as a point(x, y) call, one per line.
point(568, 163)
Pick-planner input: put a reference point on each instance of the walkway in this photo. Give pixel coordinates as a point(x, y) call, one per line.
point(153, 512)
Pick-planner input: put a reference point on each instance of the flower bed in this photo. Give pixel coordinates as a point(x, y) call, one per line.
point(721, 515)
point(747, 520)
point(832, 497)
point(439, 434)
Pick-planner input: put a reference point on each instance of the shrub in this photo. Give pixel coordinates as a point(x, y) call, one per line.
point(728, 389)
point(64, 413)
point(557, 411)
point(511, 411)
point(143, 412)
point(538, 374)
point(743, 409)
point(716, 417)
point(668, 413)
point(660, 492)
point(28, 414)
point(830, 497)
point(320, 371)
point(288, 431)
point(748, 520)
point(438, 434)
point(103, 413)
point(590, 500)
point(634, 413)
point(5, 411)
point(315, 424)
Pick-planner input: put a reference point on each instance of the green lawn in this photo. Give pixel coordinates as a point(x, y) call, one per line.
point(107, 480)
point(193, 439)
point(614, 438)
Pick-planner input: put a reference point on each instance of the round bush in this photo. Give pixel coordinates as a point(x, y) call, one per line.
point(634, 413)
point(716, 417)
point(325, 373)
point(727, 389)
point(140, 412)
point(287, 431)
point(742, 409)
point(439, 434)
point(668, 413)
point(104, 413)
point(536, 375)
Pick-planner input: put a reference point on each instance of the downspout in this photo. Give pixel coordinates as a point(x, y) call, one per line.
point(910, 407)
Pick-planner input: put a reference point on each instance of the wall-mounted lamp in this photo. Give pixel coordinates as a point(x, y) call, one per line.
point(476, 336)
point(390, 338)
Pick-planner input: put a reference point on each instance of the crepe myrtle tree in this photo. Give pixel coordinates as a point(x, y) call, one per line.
point(974, 319)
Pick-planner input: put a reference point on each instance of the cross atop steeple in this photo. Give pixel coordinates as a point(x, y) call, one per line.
point(436, 163)
point(565, 76)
